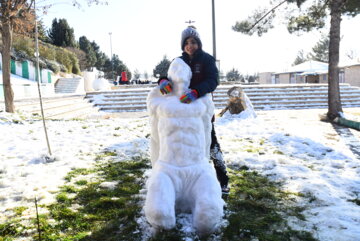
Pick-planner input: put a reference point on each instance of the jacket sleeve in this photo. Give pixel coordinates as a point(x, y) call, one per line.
point(211, 75)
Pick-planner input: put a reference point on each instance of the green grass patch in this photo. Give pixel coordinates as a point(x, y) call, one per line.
point(278, 152)
point(356, 201)
point(11, 229)
point(81, 182)
point(19, 210)
point(105, 154)
point(77, 172)
point(68, 189)
point(77, 119)
point(256, 209)
point(90, 212)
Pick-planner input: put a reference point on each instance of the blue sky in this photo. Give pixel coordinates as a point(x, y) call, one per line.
point(144, 31)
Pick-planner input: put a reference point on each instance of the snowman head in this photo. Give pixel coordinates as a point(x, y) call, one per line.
point(180, 75)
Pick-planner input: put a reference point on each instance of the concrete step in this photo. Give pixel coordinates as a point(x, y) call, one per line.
point(67, 85)
point(218, 94)
point(224, 88)
point(257, 106)
point(255, 100)
point(80, 111)
point(141, 99)
point(262, 97)
point(65, 91)
point(60, 110)
point(65, 107)
point(57, 98)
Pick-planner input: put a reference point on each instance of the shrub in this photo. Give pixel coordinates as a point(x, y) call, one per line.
point(75, 63)
point(20, 55)
point(51, 57)
point(46, 52)
point(53, 66)
point(63, 58)
point(24, 44)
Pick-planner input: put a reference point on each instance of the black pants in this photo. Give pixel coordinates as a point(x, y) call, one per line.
point(218, 160)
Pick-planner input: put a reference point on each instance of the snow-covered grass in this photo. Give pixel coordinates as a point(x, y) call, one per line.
point(313, 162)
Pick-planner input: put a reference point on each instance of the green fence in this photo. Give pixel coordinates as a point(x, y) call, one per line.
point(49, 77)
point(12, 67)
point(25, 69)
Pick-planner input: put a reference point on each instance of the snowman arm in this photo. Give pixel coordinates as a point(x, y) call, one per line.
point(154, 119)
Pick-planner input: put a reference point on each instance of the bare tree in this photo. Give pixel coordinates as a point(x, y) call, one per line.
point(11, 13)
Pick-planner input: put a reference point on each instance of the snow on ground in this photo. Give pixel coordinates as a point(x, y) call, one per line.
point(24, 173)
point(18, 80)
point(317, 162)
point(310, 156)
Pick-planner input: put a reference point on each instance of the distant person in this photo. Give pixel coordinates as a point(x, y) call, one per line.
point(204, 80)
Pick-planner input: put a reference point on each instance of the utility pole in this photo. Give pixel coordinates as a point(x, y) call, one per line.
point(214, 39)
point(111, 59)
point(213, 29)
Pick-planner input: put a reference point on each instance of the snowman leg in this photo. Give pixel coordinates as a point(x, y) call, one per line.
point(160, 201)
point(208, 208)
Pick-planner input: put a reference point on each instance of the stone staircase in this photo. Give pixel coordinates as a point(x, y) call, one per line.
point(58, 107)
point(263, 97)
point(67, 85)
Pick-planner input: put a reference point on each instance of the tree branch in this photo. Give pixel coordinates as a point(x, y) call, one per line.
point(266, 14)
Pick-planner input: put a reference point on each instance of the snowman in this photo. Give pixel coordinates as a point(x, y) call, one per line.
point(183, 178)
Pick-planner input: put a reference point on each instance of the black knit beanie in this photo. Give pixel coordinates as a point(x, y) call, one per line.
point(190, 32)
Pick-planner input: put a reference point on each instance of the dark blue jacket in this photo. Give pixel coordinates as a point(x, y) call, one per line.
point(204, 72)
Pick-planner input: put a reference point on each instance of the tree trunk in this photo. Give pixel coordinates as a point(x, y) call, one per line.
point(334, 101)
point(6, 58)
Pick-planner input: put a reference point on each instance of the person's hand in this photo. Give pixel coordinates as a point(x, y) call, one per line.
point(189, 96)
point(165, 86)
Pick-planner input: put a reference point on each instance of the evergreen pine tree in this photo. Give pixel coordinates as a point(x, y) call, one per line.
point(86, 46)
point(162, 68)
point(100, 56)
point(320, 52)
point(233, 75)
point(300, 58)
point(61, 34)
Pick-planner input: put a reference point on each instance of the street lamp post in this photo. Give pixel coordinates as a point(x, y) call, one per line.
point(214, 36)
point(111, 60)
point(213, 29)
